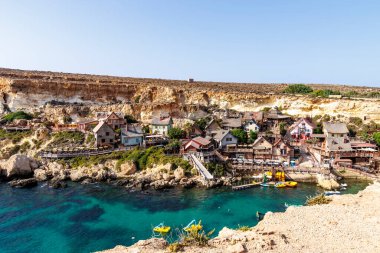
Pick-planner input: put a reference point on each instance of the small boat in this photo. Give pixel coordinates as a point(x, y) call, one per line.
point(193, 226)
point(343, 188)
point(343, 185)
point(329, 193)
point(270, 184)
point(161, 228)
point(280, 185)
point(290, 184)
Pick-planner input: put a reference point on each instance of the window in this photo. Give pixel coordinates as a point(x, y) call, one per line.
point(107, 134)
point(283, 151)
point(103, 140)
point(229, 139)
point(111, 140)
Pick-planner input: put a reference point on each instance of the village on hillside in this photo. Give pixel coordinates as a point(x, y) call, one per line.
point(224, 143)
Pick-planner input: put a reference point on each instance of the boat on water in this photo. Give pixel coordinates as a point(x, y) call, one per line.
point(286, 184)
point(193, 226)
point(161, 229)
point(329, 193)
point(290, 184)
point(270, 184)
point(343, 185)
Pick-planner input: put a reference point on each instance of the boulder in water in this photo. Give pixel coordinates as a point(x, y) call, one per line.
point(57, 183)
point(23, 183)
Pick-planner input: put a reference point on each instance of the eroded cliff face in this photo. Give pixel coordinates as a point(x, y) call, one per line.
point(86, 94)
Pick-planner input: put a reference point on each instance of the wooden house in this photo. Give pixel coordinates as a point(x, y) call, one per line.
point(104, 135)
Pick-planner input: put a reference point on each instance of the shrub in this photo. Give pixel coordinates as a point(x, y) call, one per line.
point(15, 136)
point(17, 115)
point(240, 134)
point(130, 119)
point(175, 247)
point(90, 138)
point(356, 121)
point(376, 138)
point(252, 136)
point(25, 146)
point(65, 138)
point(137, 99)
point(216, 169)
point(195, 237)
point(153, 155)
point(202, 123)
point(298, 89)
point(176, 133)
point(244, 228)
point(317, 200)
point(8, 152)
point(282, 128)
point(173, 146)
point(325, 93)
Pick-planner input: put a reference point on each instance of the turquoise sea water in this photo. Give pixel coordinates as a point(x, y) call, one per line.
point(86, 218)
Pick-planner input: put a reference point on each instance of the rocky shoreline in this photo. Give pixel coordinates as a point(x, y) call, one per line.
point(23, 171)
point(350, 223)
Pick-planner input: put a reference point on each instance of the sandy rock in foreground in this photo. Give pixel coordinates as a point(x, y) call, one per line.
point(350, 223)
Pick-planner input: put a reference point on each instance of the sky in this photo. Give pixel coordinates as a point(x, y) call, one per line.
point(261, 41)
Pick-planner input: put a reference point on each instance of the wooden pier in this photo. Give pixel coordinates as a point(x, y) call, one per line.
point(245, 186)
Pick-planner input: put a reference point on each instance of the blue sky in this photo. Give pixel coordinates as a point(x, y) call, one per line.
point(297, 41)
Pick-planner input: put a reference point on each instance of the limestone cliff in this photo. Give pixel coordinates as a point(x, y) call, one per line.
point(84, 94)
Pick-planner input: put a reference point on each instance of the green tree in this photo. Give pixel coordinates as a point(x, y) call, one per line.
point(282, 128)
point(240, 134)
point(356, 121)
point(252, 136)
point(130, 119)
point(176, 133)
point(201, 123)
point(298, 89)
point(376, 138)
point(146, 129)
point(173, 146)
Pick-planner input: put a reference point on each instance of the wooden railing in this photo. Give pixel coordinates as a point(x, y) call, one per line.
point(76, 153)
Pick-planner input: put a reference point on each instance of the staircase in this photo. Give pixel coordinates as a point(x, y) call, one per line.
point(202, 169)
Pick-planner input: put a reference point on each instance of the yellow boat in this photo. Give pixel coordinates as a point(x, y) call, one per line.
point(193, 227)
point(280, 185)
point(291, 184)
point(160, 228)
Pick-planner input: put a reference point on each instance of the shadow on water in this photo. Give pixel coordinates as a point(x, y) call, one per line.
point(87, 215)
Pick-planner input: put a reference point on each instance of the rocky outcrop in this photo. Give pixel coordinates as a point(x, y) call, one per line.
point(350, 223)
point(56, 183)
point(126, 169)
point(23, 183)
point(327, 182)
point(17, 166)
point(40, 175)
